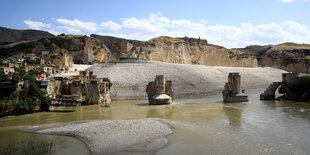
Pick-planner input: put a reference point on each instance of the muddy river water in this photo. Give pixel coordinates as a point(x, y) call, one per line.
point(201, 125)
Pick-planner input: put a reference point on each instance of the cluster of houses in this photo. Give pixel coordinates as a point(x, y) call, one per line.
point(36, 63)
point(66, 91)
point(40, 65)
point(85, 88)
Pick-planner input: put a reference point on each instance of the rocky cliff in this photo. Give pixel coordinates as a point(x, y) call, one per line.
point(178, 50)
point(12, 36)
point(291, 57)
point(84, 50)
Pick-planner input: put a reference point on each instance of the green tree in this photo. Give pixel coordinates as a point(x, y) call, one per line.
point(107, 80)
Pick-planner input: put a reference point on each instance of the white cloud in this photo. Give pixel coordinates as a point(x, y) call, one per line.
point(203, 21)
point(155, 25)
point(36, 25)
point(225, 35)
point(288, 1)
point(111, 26)
point(72, 30)
point(76, 26)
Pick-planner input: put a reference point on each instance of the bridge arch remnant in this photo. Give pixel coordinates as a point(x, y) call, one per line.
point(287, 80)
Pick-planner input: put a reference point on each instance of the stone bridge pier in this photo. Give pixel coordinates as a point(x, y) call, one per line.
point(287, 80)
point(159, 91)
point(232, 90)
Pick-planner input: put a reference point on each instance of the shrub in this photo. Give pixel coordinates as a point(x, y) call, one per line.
point(28, 96)
point(31, 61)
point(282, 90)
point(30, 77)
point(108, 80)
point(301, 85)
point(21, 71)
point(55, 56)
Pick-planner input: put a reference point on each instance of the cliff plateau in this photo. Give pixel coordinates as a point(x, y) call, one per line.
point(178, 50)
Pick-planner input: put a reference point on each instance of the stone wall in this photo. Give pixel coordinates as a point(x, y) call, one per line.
point(54, 88)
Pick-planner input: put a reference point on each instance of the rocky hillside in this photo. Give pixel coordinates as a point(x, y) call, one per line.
point(178, 50)
point(291, 57)
point(82, 49)
point(114, 44)
point(8, 36)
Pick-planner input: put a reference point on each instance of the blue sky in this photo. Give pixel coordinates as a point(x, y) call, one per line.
point(230, 23)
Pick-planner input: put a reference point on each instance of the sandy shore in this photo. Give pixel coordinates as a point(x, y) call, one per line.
point(142, 136)
point(130, 79)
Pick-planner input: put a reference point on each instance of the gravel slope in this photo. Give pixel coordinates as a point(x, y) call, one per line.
point(130, 79)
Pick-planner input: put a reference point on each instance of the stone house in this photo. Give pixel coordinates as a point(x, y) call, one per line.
point(40, 61)
point(39, 75)
point(31, 56)
point(20, 84)
point(48, 70)
point(5, 61)
point(76, 78)
point(31, 67)
point(20, 60)
point(7, 70)
point(44, 53)
point(7, 64)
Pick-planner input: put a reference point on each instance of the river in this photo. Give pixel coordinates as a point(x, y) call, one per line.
point(200, 125)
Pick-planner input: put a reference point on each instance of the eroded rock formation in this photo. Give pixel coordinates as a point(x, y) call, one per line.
point(288, 56)
point(289, 59)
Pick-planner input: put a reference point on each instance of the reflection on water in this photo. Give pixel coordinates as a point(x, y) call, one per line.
point(156, 112)
point(233, 112)
point(202, 126)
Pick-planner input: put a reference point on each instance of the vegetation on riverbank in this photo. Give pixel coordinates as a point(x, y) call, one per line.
point(28, 147)
point(301, 87)
point(105, 79)
point(27, 100)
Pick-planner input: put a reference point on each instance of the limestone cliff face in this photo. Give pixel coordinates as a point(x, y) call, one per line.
point(63, 62)
point(82, 48)
point(287, 58)
point(180, 50)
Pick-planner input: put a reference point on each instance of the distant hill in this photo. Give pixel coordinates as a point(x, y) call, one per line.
point(8, 36)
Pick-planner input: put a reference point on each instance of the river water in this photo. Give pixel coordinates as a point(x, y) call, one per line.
point(201, 125)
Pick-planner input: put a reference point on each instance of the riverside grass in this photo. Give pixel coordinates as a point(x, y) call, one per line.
point(27, 147)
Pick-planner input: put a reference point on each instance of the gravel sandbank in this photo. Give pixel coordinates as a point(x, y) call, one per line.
point(141, 136)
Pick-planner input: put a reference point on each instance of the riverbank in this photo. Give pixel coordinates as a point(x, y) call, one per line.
point(188, 81)
point(141, 136)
